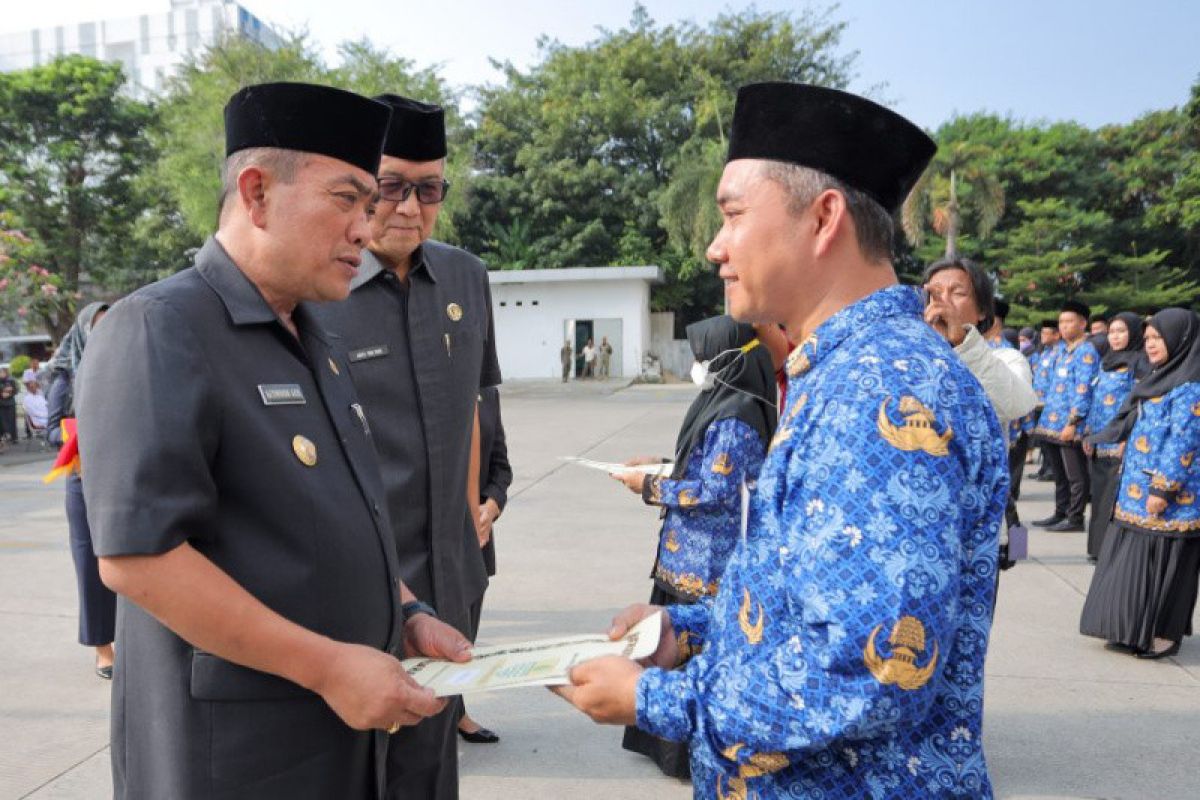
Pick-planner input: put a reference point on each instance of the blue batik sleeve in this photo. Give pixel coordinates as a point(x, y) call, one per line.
point(1176, 458)
point(730, 448)
point(1087, 367)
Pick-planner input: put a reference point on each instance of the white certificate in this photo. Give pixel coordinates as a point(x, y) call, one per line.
point(541, 663)
point(609, 466)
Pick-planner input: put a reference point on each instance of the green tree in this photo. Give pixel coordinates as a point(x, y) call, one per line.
point(960, 183)
point(1047, 256)
point(71, 147)
point(610, 153)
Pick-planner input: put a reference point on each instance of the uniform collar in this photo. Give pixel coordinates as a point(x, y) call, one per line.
point(243, 301)
point(371, 268)
point(893, 301)
point(241, 297)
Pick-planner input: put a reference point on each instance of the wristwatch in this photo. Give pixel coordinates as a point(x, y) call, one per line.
point(409, 610)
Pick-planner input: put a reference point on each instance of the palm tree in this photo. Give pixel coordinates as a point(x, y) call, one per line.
point(960, 181)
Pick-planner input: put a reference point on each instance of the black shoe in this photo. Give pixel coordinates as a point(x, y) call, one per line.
point(1053, 519)
point(1153, 655)
point(105, 672)
point(481, 736)
point(1118, 647)
point(1067, 526)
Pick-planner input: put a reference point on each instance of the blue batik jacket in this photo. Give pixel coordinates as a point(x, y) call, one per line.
point(1109, 390)
point(1043, 370)
point(1160, 460)
point(1068, 394)
point(843, 654)
point(704, 508)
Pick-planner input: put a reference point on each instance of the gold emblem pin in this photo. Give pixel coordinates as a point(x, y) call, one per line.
point(454, 312)
point(305, 450)
point(333, 366)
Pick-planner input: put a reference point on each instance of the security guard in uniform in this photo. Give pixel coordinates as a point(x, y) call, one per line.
point(418, 334)
point(233, 494)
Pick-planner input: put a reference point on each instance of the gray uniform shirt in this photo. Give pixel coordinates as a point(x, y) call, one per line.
point(203, 420)
point(419, 355)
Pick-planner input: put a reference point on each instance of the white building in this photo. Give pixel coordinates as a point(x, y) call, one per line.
point(150, 47)
point(536, 310)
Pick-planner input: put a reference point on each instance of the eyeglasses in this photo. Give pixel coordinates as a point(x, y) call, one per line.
point(397, 190)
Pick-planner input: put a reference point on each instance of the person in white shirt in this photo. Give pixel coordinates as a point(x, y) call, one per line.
point(961, 308)
point(34, 403)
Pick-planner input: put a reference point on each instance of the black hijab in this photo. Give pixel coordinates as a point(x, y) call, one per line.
point(752, 373)
point(1180, 330)
point(1132, 356)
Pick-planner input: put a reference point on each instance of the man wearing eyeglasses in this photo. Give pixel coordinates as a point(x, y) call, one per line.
point(418, 335)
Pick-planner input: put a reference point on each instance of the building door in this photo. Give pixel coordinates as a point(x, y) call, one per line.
point(583, 332)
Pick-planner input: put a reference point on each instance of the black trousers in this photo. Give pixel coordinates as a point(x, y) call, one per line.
point(1069, 466)
point(8, 422)
point(97, 603)
point(1016, 469)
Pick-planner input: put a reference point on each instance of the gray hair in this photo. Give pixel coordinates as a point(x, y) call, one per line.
point(873, 226)
point(282, 164)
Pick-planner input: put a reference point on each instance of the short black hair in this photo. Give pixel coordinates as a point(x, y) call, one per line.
point(981, 287)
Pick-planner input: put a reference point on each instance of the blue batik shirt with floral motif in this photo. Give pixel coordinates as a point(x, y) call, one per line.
point(1068, 394)
point(843, 654)
point(1160, 460)
point(704, 508)
point(1109, 390)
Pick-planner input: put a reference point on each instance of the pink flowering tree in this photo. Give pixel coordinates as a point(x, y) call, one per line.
point(29, 292)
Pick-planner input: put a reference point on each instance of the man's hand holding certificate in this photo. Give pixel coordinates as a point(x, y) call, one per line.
point(547, 662)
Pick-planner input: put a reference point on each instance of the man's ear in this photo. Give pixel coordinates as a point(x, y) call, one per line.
point(252, 185)
point(831, 219)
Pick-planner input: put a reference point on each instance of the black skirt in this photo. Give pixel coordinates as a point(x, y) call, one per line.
point(671, 757)
point(1106, 479)
point(1144, 586)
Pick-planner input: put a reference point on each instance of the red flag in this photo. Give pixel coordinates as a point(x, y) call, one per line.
point(68, 455)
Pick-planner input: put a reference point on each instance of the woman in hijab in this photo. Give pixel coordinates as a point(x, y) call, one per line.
point(1123, 364)
point(1144, 589)
point(97, 603)
point(720, 447)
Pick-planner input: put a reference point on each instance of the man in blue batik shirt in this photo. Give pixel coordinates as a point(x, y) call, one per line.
point(843, 654)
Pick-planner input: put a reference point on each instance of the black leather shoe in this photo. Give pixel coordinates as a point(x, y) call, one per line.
point(1153, 655)
point(1067, 526)
point(105, 672)
point(1054, 519)
point(481, 736)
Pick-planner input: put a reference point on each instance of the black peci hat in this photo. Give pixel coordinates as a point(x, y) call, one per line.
point(1079, 308)
point(309, 118)
point(417, 131)
point(1052, 324)
point(861, 143)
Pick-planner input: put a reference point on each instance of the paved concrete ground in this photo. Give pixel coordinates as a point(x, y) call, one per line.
point(1064, 717)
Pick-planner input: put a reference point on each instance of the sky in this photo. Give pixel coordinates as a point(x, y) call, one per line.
point(1093, 61)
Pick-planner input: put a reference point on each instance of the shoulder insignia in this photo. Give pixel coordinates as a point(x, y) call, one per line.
point(917, 431)
point(722, 465)
point(753, 632)
point(907, 640)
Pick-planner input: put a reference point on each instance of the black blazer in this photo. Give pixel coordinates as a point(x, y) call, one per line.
point(495, 473)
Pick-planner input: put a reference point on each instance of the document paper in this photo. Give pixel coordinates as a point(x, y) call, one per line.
point(541, 663)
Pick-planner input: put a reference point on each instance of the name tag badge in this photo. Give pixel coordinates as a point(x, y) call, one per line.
point(281, 394)
point(367, 353)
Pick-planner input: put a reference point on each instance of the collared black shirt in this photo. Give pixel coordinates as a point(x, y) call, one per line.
point(203, 420)
point(419, 351)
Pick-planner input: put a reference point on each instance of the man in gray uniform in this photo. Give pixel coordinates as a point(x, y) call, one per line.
point(418, 335)
point(233, 494)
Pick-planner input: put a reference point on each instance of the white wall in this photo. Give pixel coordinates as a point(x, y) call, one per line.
point(529, 336)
